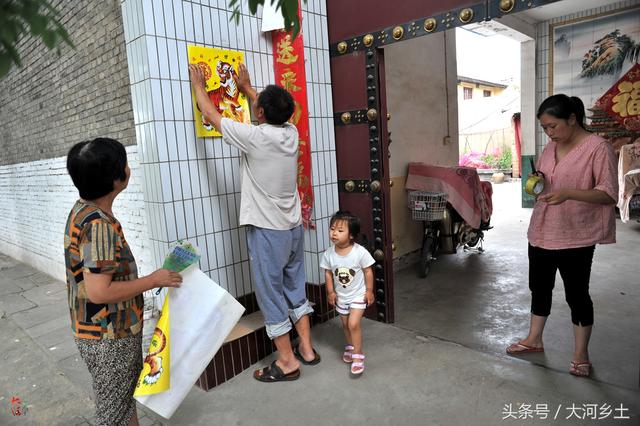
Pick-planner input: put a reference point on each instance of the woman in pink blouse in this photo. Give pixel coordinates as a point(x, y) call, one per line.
point(573, 214)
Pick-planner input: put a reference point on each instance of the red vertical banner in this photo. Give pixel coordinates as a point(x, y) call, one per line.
point(289, 70)
point(517, 129)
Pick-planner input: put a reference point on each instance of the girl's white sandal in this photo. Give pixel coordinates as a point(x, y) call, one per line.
point(346, 355)
point(357, 366)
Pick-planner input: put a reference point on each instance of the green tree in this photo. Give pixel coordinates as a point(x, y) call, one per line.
point(288, 8)
point(22, 18)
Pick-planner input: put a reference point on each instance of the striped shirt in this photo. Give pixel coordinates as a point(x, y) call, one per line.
point(573, 224)
point(94, 242)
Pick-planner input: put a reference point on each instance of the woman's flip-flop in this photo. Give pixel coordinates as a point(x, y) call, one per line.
point(520, 348)
point(273, 373)
point(580, 369)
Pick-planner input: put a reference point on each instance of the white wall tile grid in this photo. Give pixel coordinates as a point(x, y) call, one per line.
point(192, 184)
point(542, 54)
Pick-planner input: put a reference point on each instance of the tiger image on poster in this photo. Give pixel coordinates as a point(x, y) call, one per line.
point(155, 376)
point(226, 96)
point(219, 67)
point(155, 361)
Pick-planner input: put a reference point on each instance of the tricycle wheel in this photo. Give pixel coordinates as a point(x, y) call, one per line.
point(476, 239)
point(426, 255)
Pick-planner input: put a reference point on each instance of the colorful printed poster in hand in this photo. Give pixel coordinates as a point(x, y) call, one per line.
point(219, 66)
point(202, 316)
point(154, 377)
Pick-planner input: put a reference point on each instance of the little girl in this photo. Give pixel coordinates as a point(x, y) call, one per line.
point(349, 280)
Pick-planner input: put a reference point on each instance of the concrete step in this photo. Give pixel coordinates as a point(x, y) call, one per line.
point(247, 325)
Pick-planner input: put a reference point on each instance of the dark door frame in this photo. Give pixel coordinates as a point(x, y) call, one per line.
point(358, 31)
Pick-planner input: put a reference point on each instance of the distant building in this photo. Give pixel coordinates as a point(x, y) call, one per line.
point(472, 88)
point(485, 110)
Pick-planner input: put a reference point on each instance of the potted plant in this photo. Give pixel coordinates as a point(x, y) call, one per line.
point(496, 164)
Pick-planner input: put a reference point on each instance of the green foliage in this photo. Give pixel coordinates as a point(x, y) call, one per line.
point(288, 8)
point(498, 160)
point(36, 18)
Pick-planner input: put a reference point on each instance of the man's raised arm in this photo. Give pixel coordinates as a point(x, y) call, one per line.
point(243, 80)
point(208, 109)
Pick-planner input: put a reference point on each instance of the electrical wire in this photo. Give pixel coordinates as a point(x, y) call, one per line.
point(490, 114)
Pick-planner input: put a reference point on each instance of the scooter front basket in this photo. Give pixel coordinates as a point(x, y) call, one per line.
point(426, 205)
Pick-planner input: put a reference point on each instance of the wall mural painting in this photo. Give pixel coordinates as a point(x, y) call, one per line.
point(218, 66)
point(589, 55)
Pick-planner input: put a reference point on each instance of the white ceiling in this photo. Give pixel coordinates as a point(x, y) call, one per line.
point(495, 27)
point(561, 8)
point(532, 17)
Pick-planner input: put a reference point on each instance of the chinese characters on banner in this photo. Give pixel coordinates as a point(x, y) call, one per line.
point(218, 66)
point(288, 57)
point(622, 100)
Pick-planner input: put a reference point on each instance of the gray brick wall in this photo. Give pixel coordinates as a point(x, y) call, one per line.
point(53, 102)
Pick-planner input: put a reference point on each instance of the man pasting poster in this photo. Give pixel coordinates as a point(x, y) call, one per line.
point(219, 66)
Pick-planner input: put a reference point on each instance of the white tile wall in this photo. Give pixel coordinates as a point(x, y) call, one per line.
point(193, 183)
point(543, 54)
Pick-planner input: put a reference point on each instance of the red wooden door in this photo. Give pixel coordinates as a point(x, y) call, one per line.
point(358, 30)
point(362, 162)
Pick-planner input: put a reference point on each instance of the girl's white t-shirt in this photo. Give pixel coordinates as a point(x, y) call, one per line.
point(348, 278)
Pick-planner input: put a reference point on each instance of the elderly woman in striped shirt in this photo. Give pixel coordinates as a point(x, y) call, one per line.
point(105, 292)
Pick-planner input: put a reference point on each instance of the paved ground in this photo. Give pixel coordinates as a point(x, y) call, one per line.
point(40, 363)
point(482, 301)
point(442, 363)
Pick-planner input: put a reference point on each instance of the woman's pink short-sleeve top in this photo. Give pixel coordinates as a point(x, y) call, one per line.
point(572, 224)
